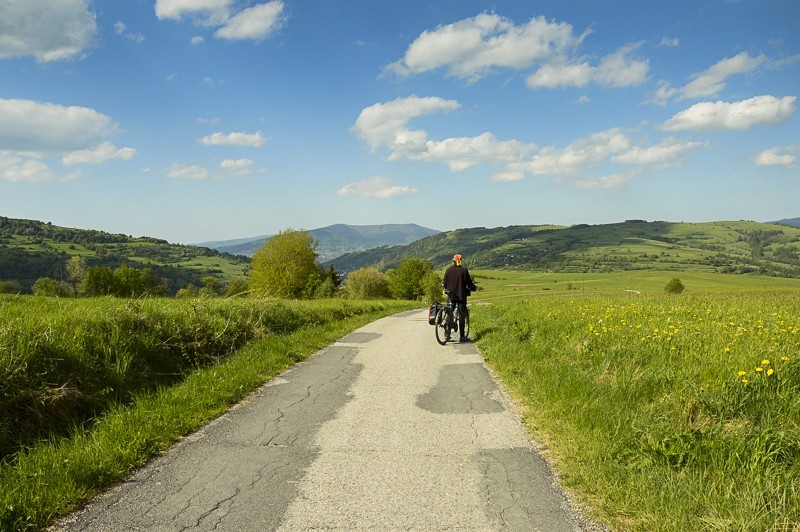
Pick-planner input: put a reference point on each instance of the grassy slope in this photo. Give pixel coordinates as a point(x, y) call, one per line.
point(713, 246)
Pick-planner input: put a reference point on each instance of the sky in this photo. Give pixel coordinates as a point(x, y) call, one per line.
point(207, 120)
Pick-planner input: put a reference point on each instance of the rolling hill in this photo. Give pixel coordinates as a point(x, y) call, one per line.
point(31, 249)
point(725, 247)
point(336, 240)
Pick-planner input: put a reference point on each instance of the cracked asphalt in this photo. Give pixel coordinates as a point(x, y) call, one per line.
point(384, 430)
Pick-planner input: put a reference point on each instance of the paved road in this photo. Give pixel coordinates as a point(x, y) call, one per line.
point(384, 430)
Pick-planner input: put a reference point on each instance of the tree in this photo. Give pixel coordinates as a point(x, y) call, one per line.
point(76, 271)
point(367, 283)
point(11, 287)
point(45, 286)
point(432, 287)
point(286, 266)
point(675, 286)
point(99, 281)
point(211, 287)
point(406, 281)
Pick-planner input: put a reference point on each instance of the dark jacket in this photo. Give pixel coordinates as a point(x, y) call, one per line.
point(457, 281)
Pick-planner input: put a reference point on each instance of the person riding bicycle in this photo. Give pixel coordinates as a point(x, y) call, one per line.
point(458, 284)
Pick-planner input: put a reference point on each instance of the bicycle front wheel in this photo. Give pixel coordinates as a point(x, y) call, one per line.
point(443, 320)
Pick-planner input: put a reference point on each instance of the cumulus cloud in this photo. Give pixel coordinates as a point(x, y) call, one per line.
point(580, 155)
point(778, 156)
point(237, 166)
point(46, 30)
point(671, 42)
point(227, 168)
point(377, 187)
point(385, 125)
point(473, 47)
point(211, 10)
point(707, 116)
point(17, 169)
point(98, 154)
point(711, 81)
point(255, 23)
point(619, 69)
point(239, 138)
point(122, 29)
point(669, 152)
point(605, 182)
point(26, 125)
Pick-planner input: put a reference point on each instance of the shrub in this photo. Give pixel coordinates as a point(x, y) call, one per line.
point(675, 286)
point(367, 283)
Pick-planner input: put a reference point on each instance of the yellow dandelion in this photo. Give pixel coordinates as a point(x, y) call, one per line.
point(785, 359)
point(727, 349)
point(742, 373)
point(759, 370)
point(744, 381)
point(770, 371)
point(765, 362)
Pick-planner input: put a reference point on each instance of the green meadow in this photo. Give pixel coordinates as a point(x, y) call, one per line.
point(659, 411)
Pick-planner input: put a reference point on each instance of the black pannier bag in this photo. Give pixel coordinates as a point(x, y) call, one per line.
point(432, 312)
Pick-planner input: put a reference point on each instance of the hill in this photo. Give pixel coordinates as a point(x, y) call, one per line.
point(725, 247)
point(793, 222)
point(336, 240)
point(31, 249)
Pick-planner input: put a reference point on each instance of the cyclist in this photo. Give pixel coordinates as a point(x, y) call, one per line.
point(458, 284)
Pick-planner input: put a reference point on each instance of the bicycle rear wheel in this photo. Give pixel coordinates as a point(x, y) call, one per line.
point(443, 320)
point(465, 332)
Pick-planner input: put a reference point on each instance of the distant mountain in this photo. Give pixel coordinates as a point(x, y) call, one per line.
point(725, 247)
point(336, 240)
point(793, 222)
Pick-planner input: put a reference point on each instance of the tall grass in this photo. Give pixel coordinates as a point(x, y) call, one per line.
point(203, 374)
point(663, 412)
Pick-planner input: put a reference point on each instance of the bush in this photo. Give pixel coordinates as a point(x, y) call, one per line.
point(367, 283)
point(675, 286)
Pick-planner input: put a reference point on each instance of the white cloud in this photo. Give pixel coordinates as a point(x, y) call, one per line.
point(377, 187)
point(256, 22)
point(712, 80)
point(740, 115)
point(120, 27)
point(472, 47)
point(669, 152)
point(671, 42)
point(185, 171)
point(98, 154)
point(384, 124)
point(709, 82)
point(48, 128)
point(228, 168)
point(214, 10)
point(461, 153)
point(237, 166)
point(196, 40)
point(239, 138)
point(46, 30)
point(778, 156)
point(615, 70)
point(578, 156)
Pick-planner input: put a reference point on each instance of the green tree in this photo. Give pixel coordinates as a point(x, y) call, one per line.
point(99, 281)
point(76, 271)
point(186, 293)
point(211, 287)
point(406, 281)
point(286, 266)
point(675, 286)
point(432, 287)
point(11, 287)
point(367, 283)
point(45, 286)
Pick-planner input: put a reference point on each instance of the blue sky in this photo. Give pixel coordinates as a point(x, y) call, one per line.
point(197, 120)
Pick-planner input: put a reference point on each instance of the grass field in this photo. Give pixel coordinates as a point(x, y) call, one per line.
point(92, 388)
point(662, 412)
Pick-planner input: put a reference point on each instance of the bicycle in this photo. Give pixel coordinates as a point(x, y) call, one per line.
point(447, 322)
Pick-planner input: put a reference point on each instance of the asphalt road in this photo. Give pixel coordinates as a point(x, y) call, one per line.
point(384, 430)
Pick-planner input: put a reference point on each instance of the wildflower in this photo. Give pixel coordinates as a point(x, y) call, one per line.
point(744, 381)
point(765, 362)
point(727, 349)
point(742, 373)
point(770, 371)
point(759, 370)
point(785, 359)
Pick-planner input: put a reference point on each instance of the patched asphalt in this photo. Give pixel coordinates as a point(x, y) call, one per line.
point(384, 430)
